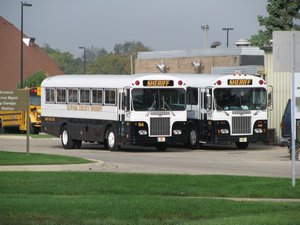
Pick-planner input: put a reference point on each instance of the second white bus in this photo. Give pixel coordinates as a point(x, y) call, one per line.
point(226, 109)
point(115, 110)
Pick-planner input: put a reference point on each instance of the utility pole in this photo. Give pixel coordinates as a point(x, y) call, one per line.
point(227, 29)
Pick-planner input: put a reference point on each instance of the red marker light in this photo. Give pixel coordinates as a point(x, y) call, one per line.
point(137, 82)
point(180, 82)
point(219, 82)
point(261, 82)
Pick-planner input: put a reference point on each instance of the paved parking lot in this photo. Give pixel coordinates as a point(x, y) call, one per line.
point(257, 160)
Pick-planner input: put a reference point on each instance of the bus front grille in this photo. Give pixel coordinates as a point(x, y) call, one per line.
point(241, 125)
point(160, 126)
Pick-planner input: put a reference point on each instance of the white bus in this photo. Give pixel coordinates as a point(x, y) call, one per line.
point(115, 110)
point(226, 109)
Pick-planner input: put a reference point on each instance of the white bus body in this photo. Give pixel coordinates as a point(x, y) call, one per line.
point(226, 109)
point(115, 109)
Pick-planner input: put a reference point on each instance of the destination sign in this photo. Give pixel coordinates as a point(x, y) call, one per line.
point(233, 82)
point(154, 83)
point(11, 100)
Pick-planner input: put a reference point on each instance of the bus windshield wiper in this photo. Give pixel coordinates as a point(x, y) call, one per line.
point(259, 108)
point(168, 107)
point(223, 110)
point(151, 108)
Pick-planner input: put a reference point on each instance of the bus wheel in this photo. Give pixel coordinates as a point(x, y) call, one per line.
point(193, 139)
point(66, 140)
point(111, 141)
point(161, 147)
point(241, 145)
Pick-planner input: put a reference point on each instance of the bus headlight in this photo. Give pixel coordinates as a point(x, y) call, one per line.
point(224, 131)
point(177, 132)
point(142, 132)
point(258, 130)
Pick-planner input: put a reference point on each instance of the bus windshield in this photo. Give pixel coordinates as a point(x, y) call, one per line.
point(35, 100)
point(240, 98)
point(150, 99)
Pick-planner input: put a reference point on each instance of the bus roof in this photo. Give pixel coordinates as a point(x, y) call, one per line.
point(121, 81)
point(209, 80)
point(99, 81)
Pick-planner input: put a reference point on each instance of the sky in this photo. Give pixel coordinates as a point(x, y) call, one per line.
point(161, 25)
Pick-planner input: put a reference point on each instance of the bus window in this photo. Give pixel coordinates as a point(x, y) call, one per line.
point(240, 98)
point(61, 95)
point(158, 99)
point(192, 96)
point(97, 96)
point(35, 97)
point(110, 97)
point(50, 95)
point(72, 95)
point(84, 96)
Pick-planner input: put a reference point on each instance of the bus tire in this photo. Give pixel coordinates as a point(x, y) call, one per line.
point(242, 145)
point(66, 140)
point(193, 138)
point(111, 140)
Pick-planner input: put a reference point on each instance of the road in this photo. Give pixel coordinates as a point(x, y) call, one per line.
point(257, 160)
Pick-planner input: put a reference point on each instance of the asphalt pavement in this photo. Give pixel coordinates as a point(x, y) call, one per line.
point(257, 160)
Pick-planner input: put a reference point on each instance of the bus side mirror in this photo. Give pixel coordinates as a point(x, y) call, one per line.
point(126, 102)
point(270, 98)
point(208, 101)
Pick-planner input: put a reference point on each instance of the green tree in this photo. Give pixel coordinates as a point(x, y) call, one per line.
point(130, 48)
point(110, 64)
point(35, 79)
point(282, 16)
point(64, 60)
point(93, 53)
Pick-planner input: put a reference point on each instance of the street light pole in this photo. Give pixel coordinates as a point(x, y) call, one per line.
point(84, 58)
point(205, 28)
point(22, 5)
point(227, 29)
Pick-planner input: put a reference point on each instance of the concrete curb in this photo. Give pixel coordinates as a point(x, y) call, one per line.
point(96, 166)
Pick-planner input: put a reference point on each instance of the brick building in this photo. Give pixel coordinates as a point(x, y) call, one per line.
point(10, 57)
point(214, 60)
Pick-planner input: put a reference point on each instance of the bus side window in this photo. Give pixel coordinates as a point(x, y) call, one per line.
point(127, 100)
point(97, 96)
point(84, 96)
point(110, 97)
point(72, 96)
point(192, 96)
point(61, 95)
point(50, 95)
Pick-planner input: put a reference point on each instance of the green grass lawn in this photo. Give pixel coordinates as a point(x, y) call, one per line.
point(113, 198)
point(41, 135)
point(18, 158)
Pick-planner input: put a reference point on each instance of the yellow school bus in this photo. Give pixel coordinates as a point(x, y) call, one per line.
point(16, 121)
